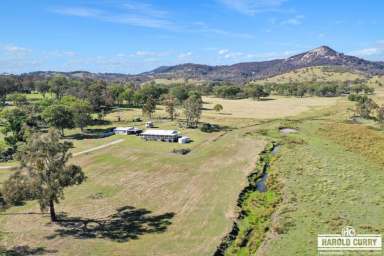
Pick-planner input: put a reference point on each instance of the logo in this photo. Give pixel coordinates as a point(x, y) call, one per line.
point(348, 240)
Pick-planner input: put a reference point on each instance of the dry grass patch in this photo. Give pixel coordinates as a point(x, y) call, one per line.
point(357, 138)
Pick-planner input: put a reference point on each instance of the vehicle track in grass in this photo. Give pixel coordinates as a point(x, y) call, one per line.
point(10, 167)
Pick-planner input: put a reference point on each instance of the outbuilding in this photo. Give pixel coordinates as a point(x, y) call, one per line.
point(161, 135)
point(149, 124)
point(127, 130)
point(184, 140)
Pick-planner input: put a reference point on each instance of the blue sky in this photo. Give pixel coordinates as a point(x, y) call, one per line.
point(135, 36)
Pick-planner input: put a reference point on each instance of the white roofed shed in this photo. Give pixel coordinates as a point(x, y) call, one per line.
point(161, 135)
point(126, 130)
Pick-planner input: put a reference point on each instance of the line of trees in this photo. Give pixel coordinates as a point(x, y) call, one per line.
point(258, 91)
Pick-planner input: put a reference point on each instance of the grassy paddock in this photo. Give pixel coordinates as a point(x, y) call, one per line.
point(161, 203)
point(271, 108)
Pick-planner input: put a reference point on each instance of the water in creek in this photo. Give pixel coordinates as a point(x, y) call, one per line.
point(288, 130)
point(260, 184)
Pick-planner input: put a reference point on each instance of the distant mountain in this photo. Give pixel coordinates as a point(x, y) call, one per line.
point(241, 72)
point(86, 75)
point(321, 56)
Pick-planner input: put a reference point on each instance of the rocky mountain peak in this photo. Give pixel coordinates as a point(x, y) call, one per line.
point(323, 51)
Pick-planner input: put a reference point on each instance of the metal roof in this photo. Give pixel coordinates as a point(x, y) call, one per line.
point(123, 128)
point(160, 132)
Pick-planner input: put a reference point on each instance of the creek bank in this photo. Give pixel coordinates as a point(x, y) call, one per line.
point(256, 201)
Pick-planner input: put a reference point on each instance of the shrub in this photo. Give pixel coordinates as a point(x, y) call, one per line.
point(207, 127)
point(181, 151)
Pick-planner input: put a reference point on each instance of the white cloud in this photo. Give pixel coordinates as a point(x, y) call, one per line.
point(14, 58)
point(377, 50)
point(184, 55)
point(230, 55)
point(131, 13)
point(297, 20)
point(238, 56)
point(223, 51)
point(59, 54)
point(139, 14)
point(149, 54)
point(205, 28)
point(78, 11)
point(321, 35)
point(367, 52)
point(144, 8)
point(252, 7)
point(15, 50)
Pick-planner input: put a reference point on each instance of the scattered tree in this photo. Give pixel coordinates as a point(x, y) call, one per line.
point(180, 93)
point(42, 87)
point(170, 102)
point(380, 115)
point(58, 85)
point(227, 91)
point(218, 107)
point(13, 122)
point(81, 110)
point(60, 117)
point(149, 107)
point(44, 172)
point(127, 95)
point(365, 108)
point(192, 110)
point(99, 96)
point(256, 91)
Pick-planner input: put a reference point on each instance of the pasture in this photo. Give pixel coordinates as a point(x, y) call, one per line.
point(158, 202)
point(269, 108)
point(332, 177)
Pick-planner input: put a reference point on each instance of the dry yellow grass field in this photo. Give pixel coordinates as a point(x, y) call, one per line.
point(274, 107)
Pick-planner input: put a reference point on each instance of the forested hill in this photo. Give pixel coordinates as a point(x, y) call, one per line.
point(239, 73)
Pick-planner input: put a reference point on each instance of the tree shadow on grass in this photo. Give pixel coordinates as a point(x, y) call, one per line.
point(126, 224)
point(25, 251)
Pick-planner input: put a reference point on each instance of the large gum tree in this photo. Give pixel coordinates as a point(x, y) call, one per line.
point(44, 172)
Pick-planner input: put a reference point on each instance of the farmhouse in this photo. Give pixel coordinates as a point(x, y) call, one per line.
point(126, 130)
point(161, 135)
